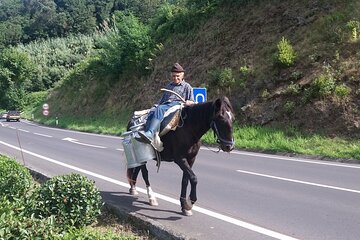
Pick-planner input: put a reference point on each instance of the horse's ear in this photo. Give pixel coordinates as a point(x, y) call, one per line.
point(217, 104)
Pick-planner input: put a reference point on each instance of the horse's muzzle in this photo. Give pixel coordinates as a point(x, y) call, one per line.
point(227, 147)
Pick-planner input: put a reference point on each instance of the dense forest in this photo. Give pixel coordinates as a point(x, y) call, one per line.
point(282, 63)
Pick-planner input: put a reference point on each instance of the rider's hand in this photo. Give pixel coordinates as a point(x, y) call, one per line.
point(189, 102)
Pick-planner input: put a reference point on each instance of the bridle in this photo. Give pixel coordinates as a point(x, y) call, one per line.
point(219, 139)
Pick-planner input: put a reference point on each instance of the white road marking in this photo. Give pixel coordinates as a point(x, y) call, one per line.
point(290, 159)
point(84, 144)
point(23, 130)
point(43, 135)
point(302, 182)
point(213, 214)
point(119, 149)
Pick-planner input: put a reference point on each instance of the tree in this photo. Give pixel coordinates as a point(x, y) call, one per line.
point(16, 71)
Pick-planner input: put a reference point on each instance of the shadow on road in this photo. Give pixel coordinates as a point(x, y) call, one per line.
point(139, 205)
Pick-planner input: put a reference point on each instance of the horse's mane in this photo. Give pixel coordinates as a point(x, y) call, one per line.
point(203, 111)
point(199, 112)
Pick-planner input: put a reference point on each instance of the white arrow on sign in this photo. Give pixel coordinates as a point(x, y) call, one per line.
point(84, 144)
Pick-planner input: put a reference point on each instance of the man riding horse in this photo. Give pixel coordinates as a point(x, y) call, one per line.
point(168, 100)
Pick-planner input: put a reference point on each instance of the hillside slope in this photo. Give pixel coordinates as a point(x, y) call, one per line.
point(319, 93)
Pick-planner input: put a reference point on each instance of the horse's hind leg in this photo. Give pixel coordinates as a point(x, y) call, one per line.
point(150, 193)
point(132, 174)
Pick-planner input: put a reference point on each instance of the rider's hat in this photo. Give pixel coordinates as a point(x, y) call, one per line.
point(177, 68)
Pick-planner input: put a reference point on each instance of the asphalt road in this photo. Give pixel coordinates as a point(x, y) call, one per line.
point(241, 195)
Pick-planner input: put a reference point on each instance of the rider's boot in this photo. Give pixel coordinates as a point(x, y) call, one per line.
point(148, 136)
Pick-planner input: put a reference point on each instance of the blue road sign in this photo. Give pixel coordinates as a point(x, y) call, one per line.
point(199, 94)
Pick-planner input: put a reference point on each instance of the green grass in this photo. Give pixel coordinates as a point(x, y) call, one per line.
point(255, 138)
point(291, 141)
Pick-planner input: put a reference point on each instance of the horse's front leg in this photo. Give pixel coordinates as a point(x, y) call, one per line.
point(188, 175)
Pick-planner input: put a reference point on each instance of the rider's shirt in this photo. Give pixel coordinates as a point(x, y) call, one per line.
point(183, 89)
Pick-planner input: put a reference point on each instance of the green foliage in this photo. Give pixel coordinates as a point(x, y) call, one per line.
point(55, 57)
point(265, 94)
point(73, 199)
point(293, 88)
point(171, 19)
point(354, 27)
point(289, 106)
point(323, 85)
point(222, 78)
point(16, 224)
point(89, 234)
point(15, 179)
point(16, 71)
point(285, 56)
point(342, 91)
point(128, 47)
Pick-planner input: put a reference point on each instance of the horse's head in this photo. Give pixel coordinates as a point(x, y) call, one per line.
point(222, 123)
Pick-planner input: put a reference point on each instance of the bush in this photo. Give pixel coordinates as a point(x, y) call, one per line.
point(90, 234)
point(289, 106)
point(323, 85)
point(16, 224)
point(286, 55)
point(342, 91)
point(354, 27)
point(73, 199)
point(15, 180)
point(223, 78)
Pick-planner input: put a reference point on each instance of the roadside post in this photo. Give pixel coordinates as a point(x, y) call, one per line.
point(199, 95)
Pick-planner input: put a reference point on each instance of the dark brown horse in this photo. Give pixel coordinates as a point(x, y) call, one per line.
point(182, 145)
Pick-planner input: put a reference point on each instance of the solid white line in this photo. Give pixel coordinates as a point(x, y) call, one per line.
point(23, 130)
point(296, 159)
point(88, 145)
point(302, 182)
point(43, 135)
point(72, 131)
point(290, 159)
point(219, 216)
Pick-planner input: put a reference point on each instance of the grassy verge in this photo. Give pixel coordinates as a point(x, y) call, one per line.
point(253, 138)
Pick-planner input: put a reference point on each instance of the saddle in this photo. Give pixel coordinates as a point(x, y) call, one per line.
point(170, 122)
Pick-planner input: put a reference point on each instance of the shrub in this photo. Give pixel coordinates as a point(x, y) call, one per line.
point(15, 179)
point(89, 234)
point(354, 27)
point(265, 94)
point(222, 77)
point(73, 199)
point(293, 88)
point(323, 85)
point(15, 224)
point(342, 91)
point(289, 106)
point(286, 55)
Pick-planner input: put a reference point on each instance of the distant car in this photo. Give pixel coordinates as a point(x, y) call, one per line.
point(13, 116)
point(3, 115)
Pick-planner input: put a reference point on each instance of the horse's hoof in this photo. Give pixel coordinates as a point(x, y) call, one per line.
point(188, 205)
point(133, 191)
point(153, 202)
point(186, 212)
